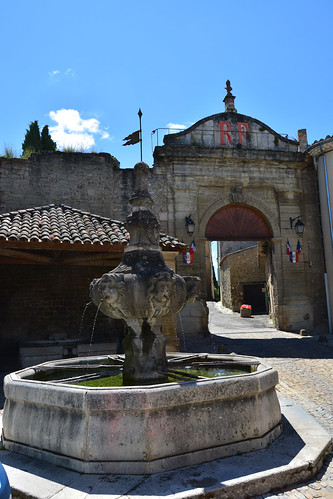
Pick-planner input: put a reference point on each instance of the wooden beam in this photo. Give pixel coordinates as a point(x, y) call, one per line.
point(26, 256)
point(60, 258)
point(58, 246)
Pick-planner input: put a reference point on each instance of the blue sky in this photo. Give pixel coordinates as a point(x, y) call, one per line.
point(85, 68)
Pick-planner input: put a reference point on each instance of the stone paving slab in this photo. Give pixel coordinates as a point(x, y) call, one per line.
point(296, 455)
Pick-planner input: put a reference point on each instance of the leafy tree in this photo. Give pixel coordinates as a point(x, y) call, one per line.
point(35, 142)
point(47, 144)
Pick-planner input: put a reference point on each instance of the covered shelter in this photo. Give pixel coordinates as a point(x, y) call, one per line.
point(48, 257)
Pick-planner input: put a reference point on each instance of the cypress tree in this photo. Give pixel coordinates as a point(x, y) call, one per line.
point(32, 140)
point(47, 144)
point(35, 142)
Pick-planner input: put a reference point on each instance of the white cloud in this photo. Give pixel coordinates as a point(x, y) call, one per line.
point(56, 73)
point(105, 135)
point(73, 131)
point(176, 126)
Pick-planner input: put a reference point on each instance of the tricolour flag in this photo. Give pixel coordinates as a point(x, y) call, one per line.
point(288, 248)
point(293, 256)
point(299, 247)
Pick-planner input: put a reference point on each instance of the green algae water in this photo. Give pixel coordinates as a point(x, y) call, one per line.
point(116, 380)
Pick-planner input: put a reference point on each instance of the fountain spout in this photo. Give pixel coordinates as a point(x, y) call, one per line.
point(142, 289)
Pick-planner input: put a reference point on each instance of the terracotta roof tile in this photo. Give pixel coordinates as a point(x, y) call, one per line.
point(64, 224)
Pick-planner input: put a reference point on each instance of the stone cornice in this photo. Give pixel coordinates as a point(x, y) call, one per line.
point(172, 152)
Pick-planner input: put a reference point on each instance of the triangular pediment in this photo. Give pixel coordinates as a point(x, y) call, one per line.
point(231, 130)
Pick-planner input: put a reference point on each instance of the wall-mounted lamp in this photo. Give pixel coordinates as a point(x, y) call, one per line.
point(298, 226)
point(190, 225)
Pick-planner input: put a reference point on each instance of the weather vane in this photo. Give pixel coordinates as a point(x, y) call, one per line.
point(136, 136)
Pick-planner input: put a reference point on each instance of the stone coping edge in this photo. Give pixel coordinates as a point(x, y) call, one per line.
point(296, 456)
point(152, 467)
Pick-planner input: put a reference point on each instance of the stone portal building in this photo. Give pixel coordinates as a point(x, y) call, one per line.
point(240, 180)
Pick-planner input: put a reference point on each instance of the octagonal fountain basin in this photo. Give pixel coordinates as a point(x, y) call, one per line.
point(141, 429)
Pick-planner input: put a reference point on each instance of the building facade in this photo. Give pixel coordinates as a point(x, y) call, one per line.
point(240, 180)
point(322, 153)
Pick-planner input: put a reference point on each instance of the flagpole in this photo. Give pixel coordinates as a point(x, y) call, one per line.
point(140, 114)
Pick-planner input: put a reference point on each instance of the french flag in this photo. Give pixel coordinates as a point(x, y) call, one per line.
point(299, 247)
point(288, 248)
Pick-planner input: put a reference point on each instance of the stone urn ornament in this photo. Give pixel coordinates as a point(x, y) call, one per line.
point(142, 290)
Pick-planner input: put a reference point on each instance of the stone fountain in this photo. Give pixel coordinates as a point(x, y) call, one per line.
point(142, 290)
point(148, 425)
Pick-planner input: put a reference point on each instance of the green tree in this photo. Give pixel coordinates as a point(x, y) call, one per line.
point(215, 285)
point(35, 142)
point(32, 139)
point(47, 144)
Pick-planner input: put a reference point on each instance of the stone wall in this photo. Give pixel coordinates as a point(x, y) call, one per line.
point(40, 302)
point(89, 182)
point(239, 268)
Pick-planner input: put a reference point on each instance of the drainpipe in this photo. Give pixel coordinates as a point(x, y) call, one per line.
point(331, 230)
point(328, 197)
point(328, 305)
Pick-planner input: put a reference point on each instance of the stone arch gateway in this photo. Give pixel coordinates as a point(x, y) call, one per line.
point(239, 179)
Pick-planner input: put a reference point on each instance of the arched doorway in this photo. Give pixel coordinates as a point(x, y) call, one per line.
point(236, 222)
point(244, 261)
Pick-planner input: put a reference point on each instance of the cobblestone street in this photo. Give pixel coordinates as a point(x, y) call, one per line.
point(305, 367)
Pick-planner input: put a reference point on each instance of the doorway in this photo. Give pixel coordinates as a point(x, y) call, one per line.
point(254, 294)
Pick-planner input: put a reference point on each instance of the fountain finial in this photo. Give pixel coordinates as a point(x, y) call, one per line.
point(229, 99)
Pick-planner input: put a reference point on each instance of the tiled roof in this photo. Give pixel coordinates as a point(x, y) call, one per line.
point(57, 223)
point(328, 137)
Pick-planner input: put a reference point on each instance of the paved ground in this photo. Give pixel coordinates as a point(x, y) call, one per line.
point(305, 366)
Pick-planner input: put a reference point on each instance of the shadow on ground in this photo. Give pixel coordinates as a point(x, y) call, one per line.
point(307, 348)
